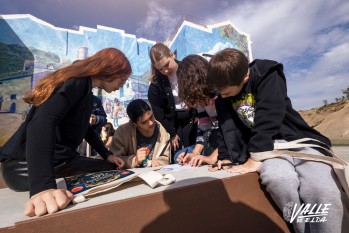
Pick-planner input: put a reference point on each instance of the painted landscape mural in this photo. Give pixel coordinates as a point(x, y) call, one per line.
point(31, 48)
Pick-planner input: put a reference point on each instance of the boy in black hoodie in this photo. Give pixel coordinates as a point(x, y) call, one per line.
point(254, 111)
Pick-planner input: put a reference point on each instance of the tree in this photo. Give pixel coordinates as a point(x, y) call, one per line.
point(325, 102)
point(346, 92)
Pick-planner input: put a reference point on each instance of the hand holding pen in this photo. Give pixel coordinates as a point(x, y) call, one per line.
point(181, 158)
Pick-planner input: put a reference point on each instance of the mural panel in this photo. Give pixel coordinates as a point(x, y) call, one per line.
point(194, 39)
point(31, 48)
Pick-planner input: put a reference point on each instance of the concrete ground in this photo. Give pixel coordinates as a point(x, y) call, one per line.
point(342, 151)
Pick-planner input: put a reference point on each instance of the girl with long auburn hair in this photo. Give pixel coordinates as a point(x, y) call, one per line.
point(106, 65)
point(56, 125)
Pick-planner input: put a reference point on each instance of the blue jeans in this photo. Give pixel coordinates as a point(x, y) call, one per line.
point(190, 149)
point(116, 122)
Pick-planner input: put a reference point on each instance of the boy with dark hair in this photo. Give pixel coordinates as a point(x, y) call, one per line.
point(143, 141)
point(254, 111)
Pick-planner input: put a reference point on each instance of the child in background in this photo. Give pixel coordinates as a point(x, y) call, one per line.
point(107, 134)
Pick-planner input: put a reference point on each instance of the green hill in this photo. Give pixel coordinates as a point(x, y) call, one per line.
point(12, 57)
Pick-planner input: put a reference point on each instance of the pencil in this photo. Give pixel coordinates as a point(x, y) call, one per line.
point(185, 153)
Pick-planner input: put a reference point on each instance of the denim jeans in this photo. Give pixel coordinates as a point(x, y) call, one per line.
point(189, 148)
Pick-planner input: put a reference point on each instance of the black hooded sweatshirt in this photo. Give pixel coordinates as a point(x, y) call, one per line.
point(261, 113)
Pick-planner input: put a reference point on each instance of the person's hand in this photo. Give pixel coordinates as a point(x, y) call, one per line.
point(93, 119)
point(196, 160)
point(155, 163)
point(117, 160)
point(212, 159)
point(181, 159)
point(141, 155)
point(219, 165)
point(249, 166)
point(199, 160)
point(104, 135)
point(49, 201)
point(175, 142)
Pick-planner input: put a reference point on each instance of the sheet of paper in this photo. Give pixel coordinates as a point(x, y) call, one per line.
point(175, 167)
point(153, 178)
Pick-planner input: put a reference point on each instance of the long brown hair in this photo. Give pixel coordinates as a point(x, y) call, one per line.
point(192, 87)
point(109, 129)
point(107, 64)
point(156, 53)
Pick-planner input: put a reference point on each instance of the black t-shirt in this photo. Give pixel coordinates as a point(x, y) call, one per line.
point(148, 142)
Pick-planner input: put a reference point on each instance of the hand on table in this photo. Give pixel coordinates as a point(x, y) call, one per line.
point(219, 166)
point(49, 201)
point(117, 160)
point(199, 160)
point(155, 163)
point(249, 166)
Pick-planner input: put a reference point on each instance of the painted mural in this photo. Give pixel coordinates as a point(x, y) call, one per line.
point(196, 39)
point(31, 48)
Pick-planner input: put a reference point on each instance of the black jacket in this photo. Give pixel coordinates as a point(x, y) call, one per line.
point(55, 130)
point(98, 110)
point(264, 99)
point(162, 103)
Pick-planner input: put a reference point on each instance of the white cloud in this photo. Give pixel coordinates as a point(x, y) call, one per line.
point(159, 23)
point(216, 48)
point(308, 37)
point(323, 80)
point(219, 46)
point(335, 59)
point(280, 28)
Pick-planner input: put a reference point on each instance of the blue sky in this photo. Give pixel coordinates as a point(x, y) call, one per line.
point(311, 38)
